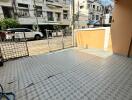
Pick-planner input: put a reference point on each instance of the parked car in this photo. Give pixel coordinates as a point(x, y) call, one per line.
point(20, 33)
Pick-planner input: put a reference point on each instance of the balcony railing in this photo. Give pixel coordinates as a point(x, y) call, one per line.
point(50, 19)
point(53, 3)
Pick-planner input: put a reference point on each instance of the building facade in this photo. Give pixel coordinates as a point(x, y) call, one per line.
point(45, 13)
point(89, 12)
point(108, 14)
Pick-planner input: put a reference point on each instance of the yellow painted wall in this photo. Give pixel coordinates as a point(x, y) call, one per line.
point(121, 30)
point(90, 38)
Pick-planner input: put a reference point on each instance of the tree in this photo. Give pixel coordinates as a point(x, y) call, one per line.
point(8, 23)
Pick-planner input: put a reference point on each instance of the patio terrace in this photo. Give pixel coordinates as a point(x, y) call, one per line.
point(69, 75)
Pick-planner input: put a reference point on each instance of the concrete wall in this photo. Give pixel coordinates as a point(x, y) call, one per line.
point(122, 27)
point(5, 2)
point(1, 13)
point(94, 38)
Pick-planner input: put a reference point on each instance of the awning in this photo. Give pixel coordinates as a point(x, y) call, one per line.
point(52, 23)
point(94, 22)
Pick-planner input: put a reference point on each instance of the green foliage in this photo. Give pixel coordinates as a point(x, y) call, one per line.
point(8, 23)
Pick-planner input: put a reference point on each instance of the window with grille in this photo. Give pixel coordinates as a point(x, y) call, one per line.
point(23, 10)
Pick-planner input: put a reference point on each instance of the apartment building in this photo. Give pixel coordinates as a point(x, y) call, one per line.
point(108, 14)
point(45, 13)
point(6, 9)
point(89, 11)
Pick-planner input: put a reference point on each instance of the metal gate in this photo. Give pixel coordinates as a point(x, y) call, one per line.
point(58, 40)
point(13, 48)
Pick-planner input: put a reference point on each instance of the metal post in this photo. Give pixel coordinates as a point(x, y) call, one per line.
point(26, 44)
point(78, 14)
point(35, 9)
point(48, 39)
point(14, 8)
point(1, 58)
point(62, 40)
point(73, 23)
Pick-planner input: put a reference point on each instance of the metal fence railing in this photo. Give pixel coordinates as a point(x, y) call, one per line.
point(58, 40)
point(13, 47)
point(19, 46)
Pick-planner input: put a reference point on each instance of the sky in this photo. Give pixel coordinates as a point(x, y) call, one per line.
point(106, 2)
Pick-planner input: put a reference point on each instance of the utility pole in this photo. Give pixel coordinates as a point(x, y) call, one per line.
point(14, 8)
point(73, 16)
point(78, 14)
point(35, 10)
point(73, 22)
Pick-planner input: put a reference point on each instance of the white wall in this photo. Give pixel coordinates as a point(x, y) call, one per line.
point(107, 18)
point(5, 2)
point(1, 13)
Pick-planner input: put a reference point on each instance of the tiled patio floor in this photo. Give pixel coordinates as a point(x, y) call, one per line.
point(68, 75)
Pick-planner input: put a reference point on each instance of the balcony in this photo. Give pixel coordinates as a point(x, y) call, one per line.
point(65, 22)
point(77, 74)
point(80, 73)
point(53, 4)
point(30, 20)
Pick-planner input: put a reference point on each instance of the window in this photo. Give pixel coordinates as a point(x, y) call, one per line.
point(97, 17)
point(23, 10)
point(89, 5)
point(22, 5)
point(50, 16)
point(97, 8)
point(65, 14)
point(100, 8)
point(110, 20)
point(81, 7)
point(38, 12)
point(93, 6)
point(58, 16)
point(28, 30)
point(49, 0)
point(93, 17)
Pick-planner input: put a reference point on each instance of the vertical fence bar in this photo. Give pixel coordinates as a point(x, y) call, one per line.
point(47, 35)
point(1, 58)
point(63, 40)
point(26, 44)
point(1, 55)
